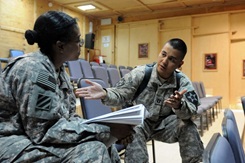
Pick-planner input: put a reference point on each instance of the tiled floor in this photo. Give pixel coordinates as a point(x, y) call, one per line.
point(169, 153)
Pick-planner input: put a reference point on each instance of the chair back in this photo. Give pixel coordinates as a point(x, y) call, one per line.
point(104, 65)
point(113, 76)
point(113, 66)
point(86, 69)
point(130, 68)
point(94, 64)
point(101, 73)
point(218, 150)
point(124, 72)
point(15, 53)
point(202, 88)
point(231, 133)
point(121, 67)
point(92, 108)
point(75, 70)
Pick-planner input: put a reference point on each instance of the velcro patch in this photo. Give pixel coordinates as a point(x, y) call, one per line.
point(46, 81)
point(43, 102)
point(192, 97)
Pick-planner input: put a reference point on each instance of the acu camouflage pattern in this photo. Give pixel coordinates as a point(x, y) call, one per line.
point(163, 123)
point(38, 122)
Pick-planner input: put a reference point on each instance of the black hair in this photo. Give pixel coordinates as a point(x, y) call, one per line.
point(178, 44)
point(49, 28)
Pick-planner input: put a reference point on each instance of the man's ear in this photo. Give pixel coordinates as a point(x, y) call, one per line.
point(181, 63)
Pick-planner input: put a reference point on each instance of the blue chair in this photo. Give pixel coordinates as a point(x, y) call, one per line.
point(218, 150)
point(130, 68)
point(94, 64)
point(94, 108)
point(101, 73)
point(104, 65)
point(15, 53)
point(113, 76)
point(86, 69)
point(123, 72)
point(113, 66)
point(231, 133)
point(74, 70)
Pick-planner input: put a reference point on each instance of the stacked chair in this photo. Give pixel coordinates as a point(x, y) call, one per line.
point(208, 109)
point(231, 133)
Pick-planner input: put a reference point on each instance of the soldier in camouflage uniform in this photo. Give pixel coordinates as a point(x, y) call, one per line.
point(38, 122)
point(170, 110)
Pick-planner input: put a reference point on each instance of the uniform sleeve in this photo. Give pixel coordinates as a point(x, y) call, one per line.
point(190, 100)
point(45, 109)
point(125, 88)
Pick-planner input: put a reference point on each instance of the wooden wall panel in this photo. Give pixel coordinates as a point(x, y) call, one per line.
point(177, 28)
point(237, 24)
point(122, 46)
point(210, 24)
point(14, 24)
point(145, 32)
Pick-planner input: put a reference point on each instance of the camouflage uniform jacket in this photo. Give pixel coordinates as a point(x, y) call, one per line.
point(42, 108)
point(153, 96)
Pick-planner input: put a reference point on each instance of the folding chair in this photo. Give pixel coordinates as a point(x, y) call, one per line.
point(218, 150)
point(86, 69)
point(101, 73)
point(94, 64)
point(130, 68)
point(231, 133)
point(104, 65)
point(113, 76)
point(113, 66)
point(74, 70)
point(123, 72)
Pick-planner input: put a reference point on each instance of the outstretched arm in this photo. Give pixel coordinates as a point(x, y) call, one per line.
point(94, 91)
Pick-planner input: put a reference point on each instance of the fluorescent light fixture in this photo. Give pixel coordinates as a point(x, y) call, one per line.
point(86, 7)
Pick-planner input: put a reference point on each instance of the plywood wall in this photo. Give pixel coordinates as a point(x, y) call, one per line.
point(19, 15)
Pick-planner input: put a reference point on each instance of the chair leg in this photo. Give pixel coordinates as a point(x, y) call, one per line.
point(201, 126)
point(153, 151)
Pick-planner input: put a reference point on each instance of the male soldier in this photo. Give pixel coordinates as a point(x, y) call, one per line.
point(169, 98)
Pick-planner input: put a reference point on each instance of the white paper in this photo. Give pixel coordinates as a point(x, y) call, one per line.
point(134, 115)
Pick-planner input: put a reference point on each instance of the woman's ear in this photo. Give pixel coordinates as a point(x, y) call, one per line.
point(60, 46)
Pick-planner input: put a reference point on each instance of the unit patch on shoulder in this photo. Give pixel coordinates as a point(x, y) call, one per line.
point(43, 102)
point(46, 81)
point(192, 97)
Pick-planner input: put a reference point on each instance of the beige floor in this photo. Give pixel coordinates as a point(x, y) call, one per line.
point(169, 153)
